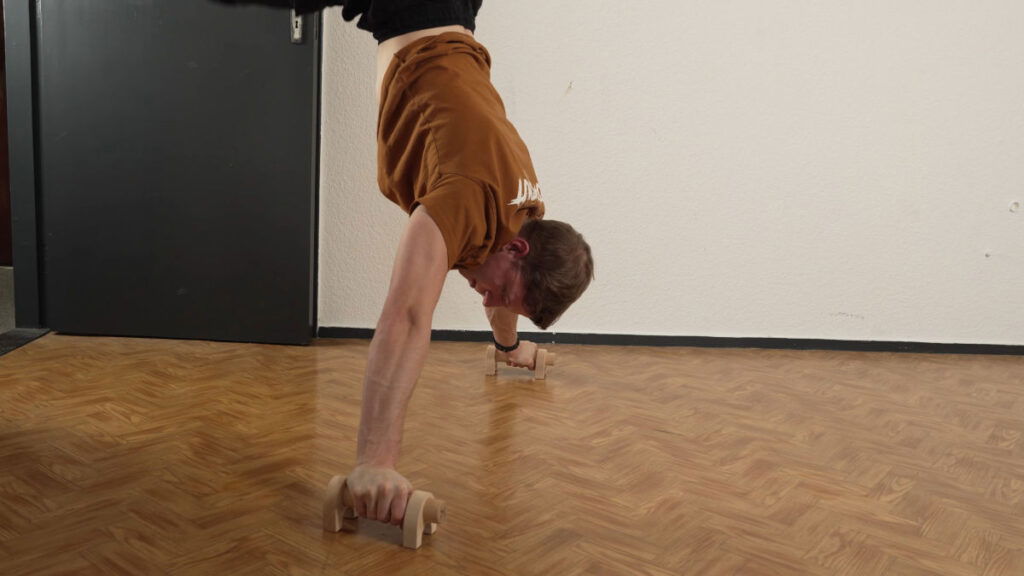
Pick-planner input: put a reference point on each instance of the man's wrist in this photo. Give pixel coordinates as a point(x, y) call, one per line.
point(505, 349)
point(378, 462)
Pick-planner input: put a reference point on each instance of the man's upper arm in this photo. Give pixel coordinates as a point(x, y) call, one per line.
point(421, 266)
point(465, 214)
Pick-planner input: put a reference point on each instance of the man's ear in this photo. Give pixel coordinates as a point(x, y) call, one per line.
point(519, 247)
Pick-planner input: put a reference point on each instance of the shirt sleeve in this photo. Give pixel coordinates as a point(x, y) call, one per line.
point(465, 212)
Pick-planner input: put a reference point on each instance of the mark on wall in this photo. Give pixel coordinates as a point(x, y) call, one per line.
point(848, 315)
point(1015, 206)
point(569, 89)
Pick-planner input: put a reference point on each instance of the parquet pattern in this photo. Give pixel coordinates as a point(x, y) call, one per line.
point(129, 456)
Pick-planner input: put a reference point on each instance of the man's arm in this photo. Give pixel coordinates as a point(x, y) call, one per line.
point(503, 324)
point(396, 357)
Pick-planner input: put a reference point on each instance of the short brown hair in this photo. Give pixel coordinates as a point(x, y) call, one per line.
point(556, 271)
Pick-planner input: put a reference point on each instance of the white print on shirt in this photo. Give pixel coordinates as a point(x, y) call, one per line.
point(528, 192)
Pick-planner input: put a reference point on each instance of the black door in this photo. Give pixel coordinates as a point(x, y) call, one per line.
point(6, 248)
point(177, 144)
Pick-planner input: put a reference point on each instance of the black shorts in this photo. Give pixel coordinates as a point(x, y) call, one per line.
point(389, 18)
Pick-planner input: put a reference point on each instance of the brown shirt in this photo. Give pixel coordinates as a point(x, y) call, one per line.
point(444, 141)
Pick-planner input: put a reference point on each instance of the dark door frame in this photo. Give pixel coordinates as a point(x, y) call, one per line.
point(21, 124)
point(22, 128)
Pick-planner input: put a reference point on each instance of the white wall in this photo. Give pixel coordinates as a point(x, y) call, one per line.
point(795, 169)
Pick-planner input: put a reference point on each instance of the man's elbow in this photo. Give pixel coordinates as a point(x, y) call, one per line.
point(409, 317)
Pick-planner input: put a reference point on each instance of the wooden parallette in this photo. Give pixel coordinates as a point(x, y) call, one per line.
point(423, 513)
point(540, 362)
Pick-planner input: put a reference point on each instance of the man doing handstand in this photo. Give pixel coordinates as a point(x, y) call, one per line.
point(448, 155)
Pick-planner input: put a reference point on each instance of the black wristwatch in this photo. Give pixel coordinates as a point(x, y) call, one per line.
point(505, 349)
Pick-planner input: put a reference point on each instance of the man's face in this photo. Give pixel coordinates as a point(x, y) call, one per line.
point(499, 280)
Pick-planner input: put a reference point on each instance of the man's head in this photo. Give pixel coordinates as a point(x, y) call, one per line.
point(539, 274)
point(556, 271)
point(499, 278)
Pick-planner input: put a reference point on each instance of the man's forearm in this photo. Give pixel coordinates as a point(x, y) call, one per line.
point(401, 340)
point(504, 325)
point(397, 354)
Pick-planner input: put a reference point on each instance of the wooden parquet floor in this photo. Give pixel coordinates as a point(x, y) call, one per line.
point(130, 456)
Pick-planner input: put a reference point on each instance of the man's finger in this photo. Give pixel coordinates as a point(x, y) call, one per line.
point(362, 504)
point(398, 507)
point(384, 498)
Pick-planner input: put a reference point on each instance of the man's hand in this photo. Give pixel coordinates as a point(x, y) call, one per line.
point(379, 493)
point(522, 357)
